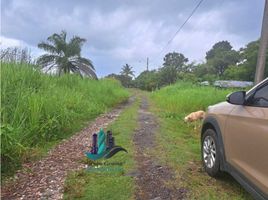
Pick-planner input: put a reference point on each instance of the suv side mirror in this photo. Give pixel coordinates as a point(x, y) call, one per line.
point(237, 98)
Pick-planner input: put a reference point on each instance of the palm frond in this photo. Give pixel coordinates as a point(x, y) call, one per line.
point(85, 69)
point(76, 70)
point(77, 41)
point(63, 35)
point(59, 41)
point(74, 46)
point(54, 38)
point(86, 62)
point(46, 60)
point(47, 47)
point(50, 67)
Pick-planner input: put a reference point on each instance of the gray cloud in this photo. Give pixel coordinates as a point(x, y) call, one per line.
point(124, 31)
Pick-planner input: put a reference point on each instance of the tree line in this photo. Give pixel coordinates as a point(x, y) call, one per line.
point(222, 62)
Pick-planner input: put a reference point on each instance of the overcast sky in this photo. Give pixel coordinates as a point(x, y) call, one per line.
point(128, 31)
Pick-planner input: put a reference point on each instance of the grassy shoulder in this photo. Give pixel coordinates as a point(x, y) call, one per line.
point(39, 110)
point(108, 179)
point(181, 142)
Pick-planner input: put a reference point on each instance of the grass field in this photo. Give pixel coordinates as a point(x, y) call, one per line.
point(109, 180)
point(181, 142)
point(37, 110)
point(178, 146)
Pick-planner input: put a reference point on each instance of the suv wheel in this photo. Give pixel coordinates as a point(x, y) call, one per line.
point(210, 153)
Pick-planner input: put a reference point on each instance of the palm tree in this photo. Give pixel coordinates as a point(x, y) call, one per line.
point(65, 56)
point(127, 71)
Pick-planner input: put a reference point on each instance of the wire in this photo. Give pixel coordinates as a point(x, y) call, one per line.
point(180, 28)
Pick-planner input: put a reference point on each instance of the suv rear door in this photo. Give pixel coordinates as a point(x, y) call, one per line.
point(246, 138)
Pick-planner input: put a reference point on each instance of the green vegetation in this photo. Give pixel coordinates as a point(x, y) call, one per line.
point(172, 104)
point(222, 63)
point(147, 80)
point(182, 98)
point(125, 76)
point(112, 184)
point(127, 71)
point(65, 56)
point(174, 63)
point(38, 110)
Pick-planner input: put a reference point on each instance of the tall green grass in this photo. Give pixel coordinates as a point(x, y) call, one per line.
point(181, 141)
point(37, 109)
point(182, 98)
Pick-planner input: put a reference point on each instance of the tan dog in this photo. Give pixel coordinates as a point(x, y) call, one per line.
point(194, 116)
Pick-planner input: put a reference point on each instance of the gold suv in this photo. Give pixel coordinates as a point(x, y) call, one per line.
point(234, 139)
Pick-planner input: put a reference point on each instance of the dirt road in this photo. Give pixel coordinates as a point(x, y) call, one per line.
point(45, 179)
point(152, 179)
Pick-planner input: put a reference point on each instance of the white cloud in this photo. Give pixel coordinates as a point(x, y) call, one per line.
point(6, 42)
point(9, 42)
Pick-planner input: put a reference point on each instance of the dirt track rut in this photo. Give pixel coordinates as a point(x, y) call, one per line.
point(152, 178)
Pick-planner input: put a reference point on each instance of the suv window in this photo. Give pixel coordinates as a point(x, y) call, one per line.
point(260, 98)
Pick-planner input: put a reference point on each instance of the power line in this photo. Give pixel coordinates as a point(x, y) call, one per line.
point(180, 28)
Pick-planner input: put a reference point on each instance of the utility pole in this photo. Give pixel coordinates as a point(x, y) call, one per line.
point(259, 75)
point(147, 64)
